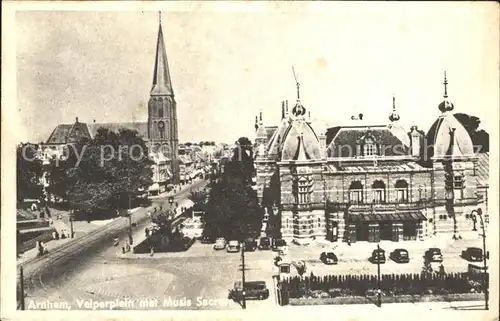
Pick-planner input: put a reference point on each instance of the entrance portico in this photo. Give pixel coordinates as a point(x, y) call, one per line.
point(392, 226)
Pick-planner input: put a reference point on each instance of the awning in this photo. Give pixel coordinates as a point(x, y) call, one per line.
point(384, 217)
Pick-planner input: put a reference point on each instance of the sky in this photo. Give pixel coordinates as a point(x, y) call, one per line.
point(228, 65)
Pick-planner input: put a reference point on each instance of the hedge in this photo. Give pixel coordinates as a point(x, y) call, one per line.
point(390, 284)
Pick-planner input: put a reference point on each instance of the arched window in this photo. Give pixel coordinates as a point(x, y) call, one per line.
point(356, 192)
point(160, 110)
point(401, 191)
point(378, 192)
point(369, 147)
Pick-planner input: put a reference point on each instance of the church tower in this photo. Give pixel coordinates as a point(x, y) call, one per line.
point(162, 110)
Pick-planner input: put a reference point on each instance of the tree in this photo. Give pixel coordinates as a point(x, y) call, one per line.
point(198, 197)
point(111, 169)
point(480, 139)
point(29, 172)
point(233, 210)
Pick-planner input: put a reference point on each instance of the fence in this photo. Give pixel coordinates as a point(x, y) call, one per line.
point(390, 284)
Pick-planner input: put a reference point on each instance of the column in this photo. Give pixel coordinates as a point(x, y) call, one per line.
point(397, 231)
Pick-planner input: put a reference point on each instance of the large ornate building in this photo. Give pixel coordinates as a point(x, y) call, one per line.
point(160, 130)
point(363, 182)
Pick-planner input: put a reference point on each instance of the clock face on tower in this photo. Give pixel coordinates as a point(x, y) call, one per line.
point(161, 125)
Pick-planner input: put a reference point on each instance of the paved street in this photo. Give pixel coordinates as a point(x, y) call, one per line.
point(201, 277)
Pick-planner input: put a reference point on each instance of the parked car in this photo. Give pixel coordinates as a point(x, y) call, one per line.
point(264, 243)
point(328, 258)
point(433, 255)
point(279, 245)
point(473, 254)
point(250, 244)
point(400, 256)
point(233, 246)
point(251, 290)
point(378, 256)
point(220, 244)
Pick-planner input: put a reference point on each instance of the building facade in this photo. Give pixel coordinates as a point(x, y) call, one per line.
point(160, 131)
point(364, 182)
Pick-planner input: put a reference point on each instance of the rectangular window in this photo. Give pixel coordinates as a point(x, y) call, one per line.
point(369, 150)
point(402, 195)
point(458, 182)
point(356, 197)
point(378, 196)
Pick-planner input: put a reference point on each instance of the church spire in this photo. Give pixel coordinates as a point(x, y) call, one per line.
point(445, 105)
point(162, 84)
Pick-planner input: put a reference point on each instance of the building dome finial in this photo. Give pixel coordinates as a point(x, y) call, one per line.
point(445, 105)
point(394, 116)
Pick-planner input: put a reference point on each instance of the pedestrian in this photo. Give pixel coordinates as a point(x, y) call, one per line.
point(149, 214)
point(152, 251)
point(123, 249)
point(63, 234)
point(146, 231)
point(161, 207)
point(51, 221)
point(57, 235)
point(54, 235)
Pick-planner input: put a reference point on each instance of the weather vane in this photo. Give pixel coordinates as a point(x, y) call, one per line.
point(297, 81)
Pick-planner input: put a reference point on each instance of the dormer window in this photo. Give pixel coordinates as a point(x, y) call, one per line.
point(369, 147)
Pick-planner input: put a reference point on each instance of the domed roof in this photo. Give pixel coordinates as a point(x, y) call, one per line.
point(447, 137)
point(300, 142)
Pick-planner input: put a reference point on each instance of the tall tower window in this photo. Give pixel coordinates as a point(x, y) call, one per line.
point(161, 129)
point(160, 110)
point(303, 190)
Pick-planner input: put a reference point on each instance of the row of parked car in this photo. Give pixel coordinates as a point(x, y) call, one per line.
point(473, 254)
point(250, 244)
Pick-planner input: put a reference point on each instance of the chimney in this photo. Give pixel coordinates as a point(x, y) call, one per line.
point(360, 116)
point(282, 110)
point(93, 121)
point(286, 107)
point(76, 120)
point(415, 141)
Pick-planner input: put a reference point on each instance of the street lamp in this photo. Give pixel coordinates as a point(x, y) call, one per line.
point(71, 217)
point(243, 303)
point(130, 239)
point(473, 214)
point(379, 291)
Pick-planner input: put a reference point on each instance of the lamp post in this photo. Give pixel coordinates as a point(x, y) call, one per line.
point(71, 217)
point(130, 239)
point(474, 213)
point(379, 292)
point(243, 302)
point(21, 276)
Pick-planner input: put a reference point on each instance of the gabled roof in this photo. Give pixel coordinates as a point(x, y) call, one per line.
point(60, 134)
point(344, 141)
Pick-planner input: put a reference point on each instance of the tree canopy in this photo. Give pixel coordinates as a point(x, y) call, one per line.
point(480, 138)
point(103, 173)
point(232, 210)
point(29, 172)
